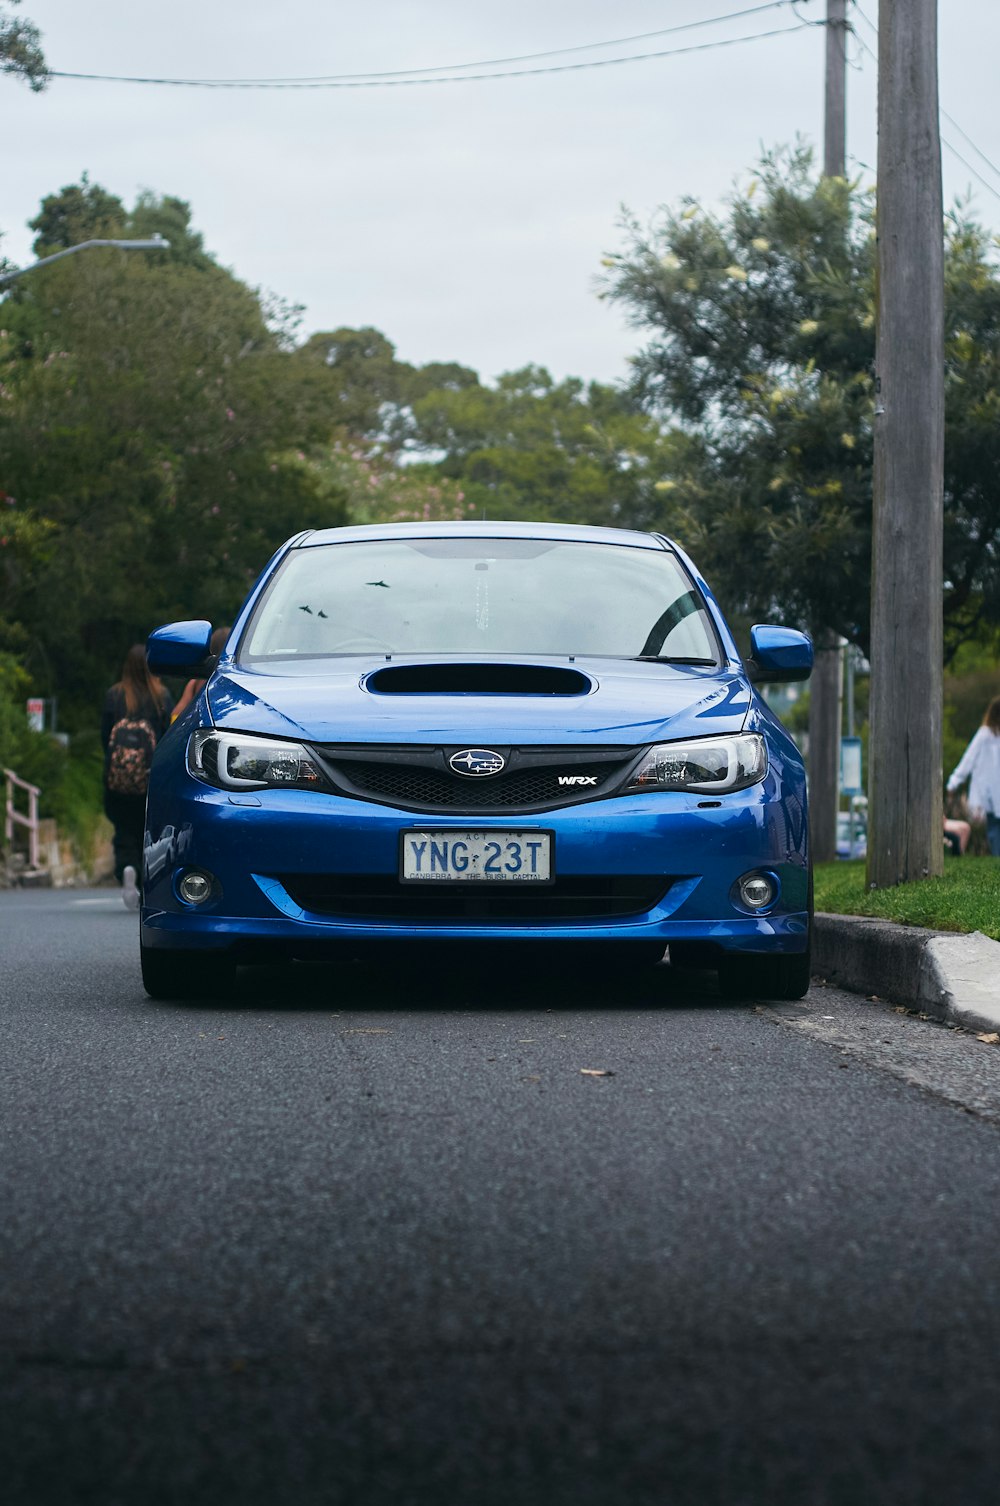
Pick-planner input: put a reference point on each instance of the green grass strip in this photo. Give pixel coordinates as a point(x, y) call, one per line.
point(966, 898)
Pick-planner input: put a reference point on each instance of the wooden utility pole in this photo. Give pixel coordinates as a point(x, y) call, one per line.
point(826, 685)
point(835, 97)
point(905, 807)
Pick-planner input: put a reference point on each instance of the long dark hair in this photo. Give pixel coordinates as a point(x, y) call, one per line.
point(992, 717)
point(138, 683)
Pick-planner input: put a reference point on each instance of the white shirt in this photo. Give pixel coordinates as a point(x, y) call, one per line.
point(980, 764)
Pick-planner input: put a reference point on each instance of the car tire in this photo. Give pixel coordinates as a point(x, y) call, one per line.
point(785, 976)
point(185, 975)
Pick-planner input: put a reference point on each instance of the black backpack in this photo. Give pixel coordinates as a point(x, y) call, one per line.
point(130, 755)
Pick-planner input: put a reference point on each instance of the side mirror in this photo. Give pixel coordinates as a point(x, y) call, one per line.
point(778, 655)
point(181, 648)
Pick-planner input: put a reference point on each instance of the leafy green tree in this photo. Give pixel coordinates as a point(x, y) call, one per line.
point(760, 342)
point(366, 385)
point(169, 217)
point(760, 331)
point(79, 212)
point(85, 211)
point(370, 391)
point(532, 447)
point(21, 49)
point(439, 376)
point(156, 432)
point(972, 433)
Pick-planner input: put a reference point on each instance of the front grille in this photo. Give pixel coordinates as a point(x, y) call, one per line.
point(572, 898)
point(426, 787)
point(420, 779)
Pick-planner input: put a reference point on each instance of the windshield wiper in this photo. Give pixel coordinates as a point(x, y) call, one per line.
point(669, 659)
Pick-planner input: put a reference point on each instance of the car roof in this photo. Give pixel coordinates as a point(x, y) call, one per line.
point(572, 532)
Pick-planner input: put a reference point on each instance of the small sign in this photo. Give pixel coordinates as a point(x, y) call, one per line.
point(36, 714)
point(850, 766)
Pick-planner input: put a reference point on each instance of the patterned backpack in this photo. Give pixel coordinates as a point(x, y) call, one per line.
point(130, 754)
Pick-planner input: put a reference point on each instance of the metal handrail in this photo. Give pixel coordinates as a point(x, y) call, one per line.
point(15, 817)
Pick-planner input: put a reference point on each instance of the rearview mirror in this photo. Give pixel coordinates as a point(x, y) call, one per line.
point(180, 648)
point(778, 655)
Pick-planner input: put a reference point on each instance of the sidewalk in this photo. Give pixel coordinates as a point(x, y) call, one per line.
point(946, 975)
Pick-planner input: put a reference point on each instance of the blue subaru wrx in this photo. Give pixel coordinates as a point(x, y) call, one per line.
point(478, 732)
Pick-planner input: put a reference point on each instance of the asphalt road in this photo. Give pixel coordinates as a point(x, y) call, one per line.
point(374, 1235)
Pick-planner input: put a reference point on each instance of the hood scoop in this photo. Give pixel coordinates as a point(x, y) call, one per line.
point(478, 679)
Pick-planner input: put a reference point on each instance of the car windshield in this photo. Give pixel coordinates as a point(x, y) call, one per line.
point(481, 596)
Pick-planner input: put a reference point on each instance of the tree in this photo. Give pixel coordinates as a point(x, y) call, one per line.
point(532, 447)
point(79, 212)
point(972, 434)
point(370, 391)
point(85, 211)
point(365, 383)
point(760, 341)
point(170, 218)
point(761, 346)
point(156, 432)
point(376, 489)
point(21, 50)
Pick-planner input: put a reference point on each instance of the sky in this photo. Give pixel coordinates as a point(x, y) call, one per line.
point(465, 220)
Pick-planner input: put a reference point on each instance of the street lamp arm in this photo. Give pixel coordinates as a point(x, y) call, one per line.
point(157, 243)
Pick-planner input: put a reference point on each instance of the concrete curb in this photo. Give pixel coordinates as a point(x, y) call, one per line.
point(951, 977)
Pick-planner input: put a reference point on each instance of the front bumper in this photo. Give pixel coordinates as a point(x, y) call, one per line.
point(693, 852)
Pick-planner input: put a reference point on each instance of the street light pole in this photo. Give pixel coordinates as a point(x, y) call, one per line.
point(157, 243)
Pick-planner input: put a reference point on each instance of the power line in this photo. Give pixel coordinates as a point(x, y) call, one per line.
point(527, 57)
point(966, 163)
point(964, 134)
point(369, 81)
point(949, 118)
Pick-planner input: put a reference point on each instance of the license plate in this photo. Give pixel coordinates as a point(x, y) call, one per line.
point(490, 857)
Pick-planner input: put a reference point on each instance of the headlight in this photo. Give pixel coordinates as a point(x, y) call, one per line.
point(238, 761)
point(715, 765)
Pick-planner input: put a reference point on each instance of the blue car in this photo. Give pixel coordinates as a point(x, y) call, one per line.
point(452, 733)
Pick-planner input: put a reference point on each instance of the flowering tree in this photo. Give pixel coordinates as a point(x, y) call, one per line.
point(376, 489)
point(760, 343)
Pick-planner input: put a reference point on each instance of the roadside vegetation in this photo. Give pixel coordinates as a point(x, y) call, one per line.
point(163, 427)
point(966, 898)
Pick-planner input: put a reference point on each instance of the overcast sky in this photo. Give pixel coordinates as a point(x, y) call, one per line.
point(464, 220)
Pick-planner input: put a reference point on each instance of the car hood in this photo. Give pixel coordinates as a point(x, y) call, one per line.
point(619, 701)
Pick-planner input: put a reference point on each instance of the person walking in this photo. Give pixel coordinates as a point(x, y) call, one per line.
point(136, 714)
point(980, 765)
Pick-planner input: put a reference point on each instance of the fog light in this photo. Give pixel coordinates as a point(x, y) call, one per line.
point(195, 887)
point(757, 890)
